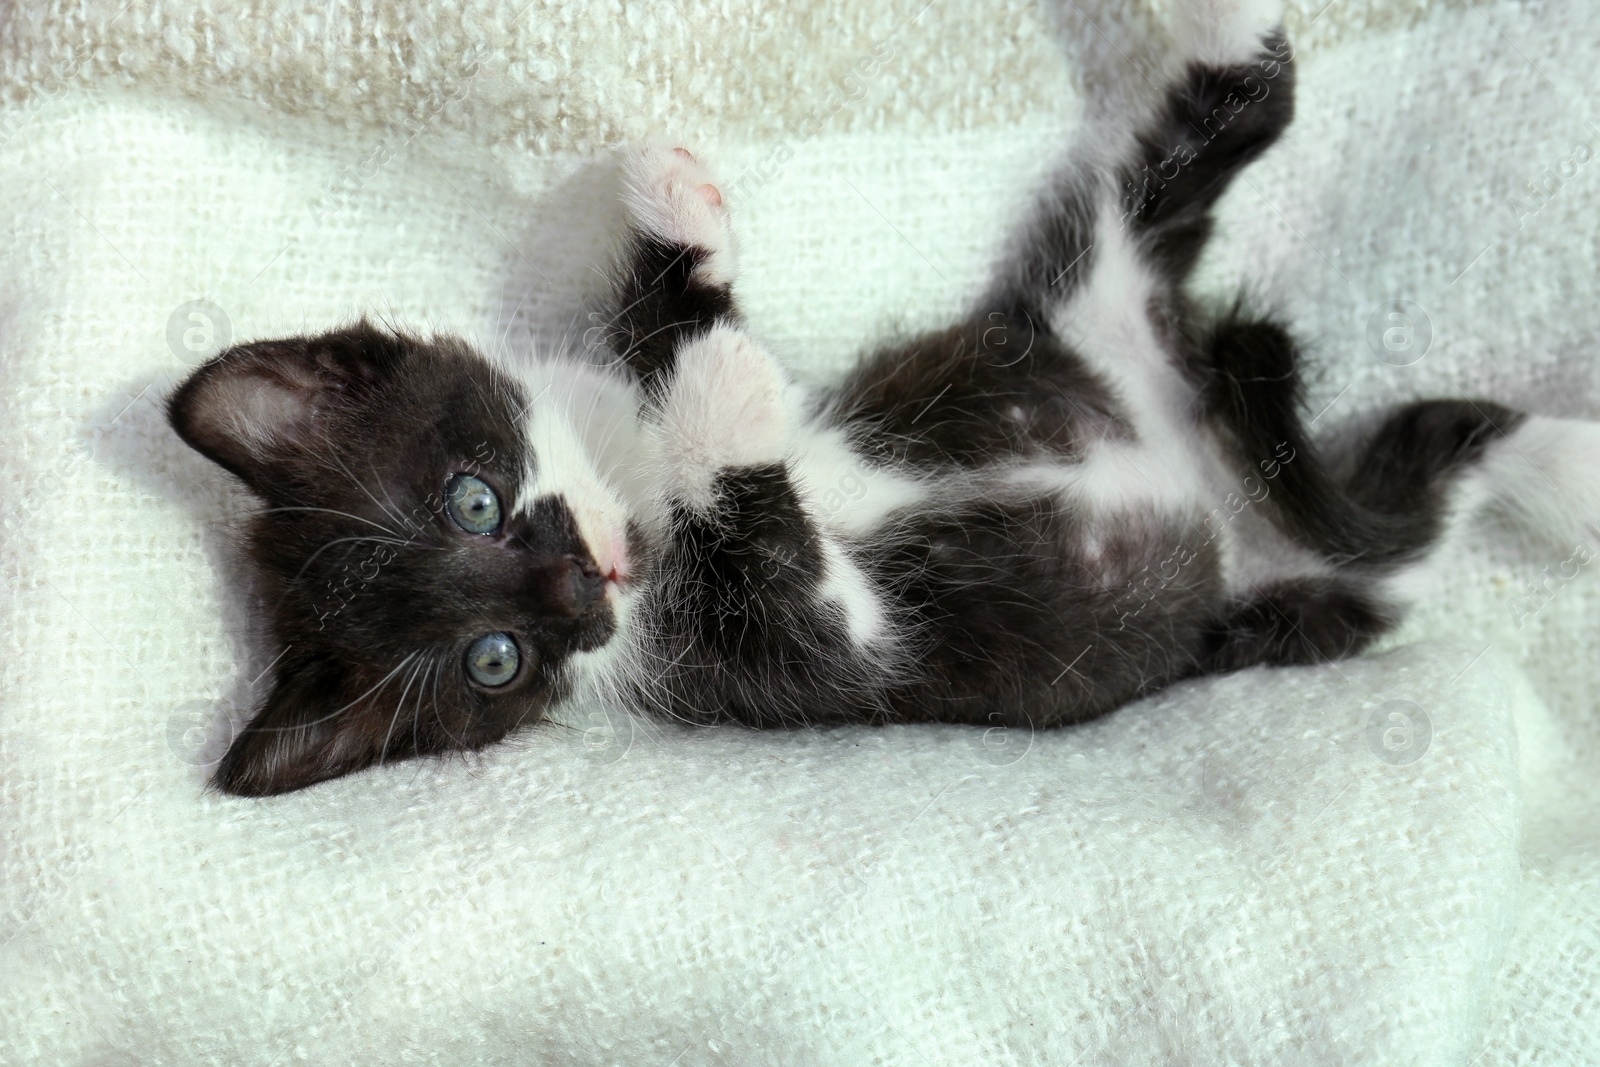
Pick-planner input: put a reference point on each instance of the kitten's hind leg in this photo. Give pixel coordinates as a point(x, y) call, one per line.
point(1228, 95)
point(1230, 98)
point(1389, 502)
point(1295, 622)
point(675, 278)
point(1222, 33)
point(1429, 471)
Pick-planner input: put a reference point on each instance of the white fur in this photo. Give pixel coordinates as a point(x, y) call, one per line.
point(607, 677)
point(1222, 32)
point(671, 197)
point(724, 408)
point(1257, 553)
point(582, 434)
point(1164, 464)
point(842, 492)
point(852, 595)
point(1173, 466)
point(1106, 321)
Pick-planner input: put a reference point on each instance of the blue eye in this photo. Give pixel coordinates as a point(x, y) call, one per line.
point(493, 659)
point(472, 505)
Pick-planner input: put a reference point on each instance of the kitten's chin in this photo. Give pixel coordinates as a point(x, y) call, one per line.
point(596, 628)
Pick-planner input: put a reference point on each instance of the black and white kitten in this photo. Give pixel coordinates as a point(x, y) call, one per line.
point(1086, 489)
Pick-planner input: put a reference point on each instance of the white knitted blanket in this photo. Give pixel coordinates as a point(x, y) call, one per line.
point(1393, 860)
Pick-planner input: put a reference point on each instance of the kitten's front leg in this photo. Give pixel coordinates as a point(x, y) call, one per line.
point(759, 615)
point(675, 279)
point(724, 412)
point(763, 617)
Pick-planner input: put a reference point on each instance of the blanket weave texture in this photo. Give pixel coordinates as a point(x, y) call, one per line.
point(1388, 860)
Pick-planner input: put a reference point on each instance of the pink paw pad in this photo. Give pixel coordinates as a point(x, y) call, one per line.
point(670, 195)
point(708, 192)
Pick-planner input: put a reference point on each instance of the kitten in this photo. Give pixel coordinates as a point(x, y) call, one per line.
point(1086, 489)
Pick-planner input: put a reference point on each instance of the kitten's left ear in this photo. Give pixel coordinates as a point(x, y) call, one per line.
point(258, 405)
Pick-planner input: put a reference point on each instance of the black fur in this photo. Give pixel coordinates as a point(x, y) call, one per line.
point(1393, 512)
point(996, 386)
point(1020, 629)
point(742, 639)
point(1210, 126)
point(1405, 467)
point(1298, 623)
point(660, 304)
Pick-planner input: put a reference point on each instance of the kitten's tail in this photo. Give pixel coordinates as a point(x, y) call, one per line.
point(1541, 473)
point(1466, 458)
point(1442, 464)
point(1430, 469)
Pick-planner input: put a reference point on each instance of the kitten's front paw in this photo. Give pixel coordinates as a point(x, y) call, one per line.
point(1225, 32)
point(672, 199)
point(724, 409)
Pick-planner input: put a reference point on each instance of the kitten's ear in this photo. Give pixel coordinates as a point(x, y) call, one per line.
point(258, 405)
point(309, 730)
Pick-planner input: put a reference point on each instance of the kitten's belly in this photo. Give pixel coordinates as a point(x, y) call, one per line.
point(1169, 469)
point(1126, 486)
point(1178, 487)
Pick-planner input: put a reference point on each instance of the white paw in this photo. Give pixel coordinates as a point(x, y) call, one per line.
point(723, 409)
point(1225, 32)
point(671, 198)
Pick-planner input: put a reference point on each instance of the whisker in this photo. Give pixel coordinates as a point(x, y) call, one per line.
point(393, 508)
point(437, 714)
point(337, 711)
point(392, 515)
point(342, 540)
point(399, 706)
point(334, 511)
point(416, 716)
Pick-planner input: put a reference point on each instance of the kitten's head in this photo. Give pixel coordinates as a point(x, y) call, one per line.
point(438, 546)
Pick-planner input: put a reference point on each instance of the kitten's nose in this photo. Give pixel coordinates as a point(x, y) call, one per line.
point(569, 585)
point(588, 583)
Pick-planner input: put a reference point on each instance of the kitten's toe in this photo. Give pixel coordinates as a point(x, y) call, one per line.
point(673, 200)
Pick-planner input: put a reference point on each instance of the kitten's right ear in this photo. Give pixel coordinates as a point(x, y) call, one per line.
point(308, 731)
point(256, 406)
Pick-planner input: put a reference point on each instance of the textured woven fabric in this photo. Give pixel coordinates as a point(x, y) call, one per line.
point(1388, 860)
